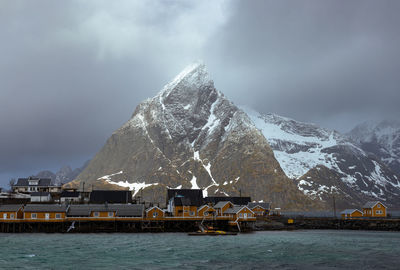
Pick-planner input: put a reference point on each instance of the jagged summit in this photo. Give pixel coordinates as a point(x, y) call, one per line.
point(190, 79)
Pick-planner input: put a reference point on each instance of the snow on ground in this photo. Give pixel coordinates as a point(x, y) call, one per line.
point(136, 187)
point(194, 183)
point(108, 177)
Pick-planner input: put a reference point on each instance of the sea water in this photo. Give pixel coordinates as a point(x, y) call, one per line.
point(311, 249)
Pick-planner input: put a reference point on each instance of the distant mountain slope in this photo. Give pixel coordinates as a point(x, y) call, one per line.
point(63, 176)
point(311, 155)
point(381, 139)
point(191, 136)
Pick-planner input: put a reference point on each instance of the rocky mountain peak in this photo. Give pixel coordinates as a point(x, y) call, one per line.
point(190, 136)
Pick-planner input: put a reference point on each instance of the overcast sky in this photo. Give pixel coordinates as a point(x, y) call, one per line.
point(71, 72)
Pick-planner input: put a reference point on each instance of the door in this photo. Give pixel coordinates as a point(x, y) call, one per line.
point(47, 215)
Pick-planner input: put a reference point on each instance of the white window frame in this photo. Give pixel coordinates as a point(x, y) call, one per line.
point(47, 215)
point(12, 216)
point(240, 215)
point(155, 214)
point(110, 214)
point(96, 214)
point(379, 206)
point(206, 213)
point(58, 215)
point(5, 216)
point(33, 215)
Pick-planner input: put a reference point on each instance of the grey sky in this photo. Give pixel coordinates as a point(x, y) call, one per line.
point(72, 72)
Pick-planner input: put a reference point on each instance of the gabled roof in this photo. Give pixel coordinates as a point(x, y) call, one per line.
point(221, 204)
point(236, 209)
point(10, 207)
point(111, 196)
point(350, 211)
point(156, 208)
point(187, 197)
point(45, 208)
point(264, 205)
point(42, 182)
point(371, 204)
point(234, 200)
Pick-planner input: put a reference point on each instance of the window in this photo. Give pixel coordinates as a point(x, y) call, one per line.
point(155, 214)
point(58, 215)
point(34, 216)
point(12, 216)
point(191, 213)
point(47, 215)
point(379, 206)
point(378, 212)
point(206, 213)
point(110, 214)
point(241, 215)
point(5, 215)
point(96, 214)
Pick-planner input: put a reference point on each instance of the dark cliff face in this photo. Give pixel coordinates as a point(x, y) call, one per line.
point(190, 136)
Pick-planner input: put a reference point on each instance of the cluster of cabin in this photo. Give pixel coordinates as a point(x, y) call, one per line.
point(182, 204)
point(372, 209)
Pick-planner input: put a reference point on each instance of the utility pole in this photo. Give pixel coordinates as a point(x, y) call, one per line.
point(334, 205)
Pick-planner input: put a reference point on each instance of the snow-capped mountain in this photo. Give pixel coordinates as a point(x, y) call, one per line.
point(190, 136)
point(323, 162)
point(381, 139)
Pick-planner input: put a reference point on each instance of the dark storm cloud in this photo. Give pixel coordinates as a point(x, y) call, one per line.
point(72, 72)
point(323, 61)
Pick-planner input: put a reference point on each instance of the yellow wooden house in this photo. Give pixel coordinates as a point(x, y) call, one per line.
point(11, 212)
point(240, 213)
point(45, 212)
point(351, 213)
point(155, 213)
point(374, 209)
point(222, 206)
point(206, 211)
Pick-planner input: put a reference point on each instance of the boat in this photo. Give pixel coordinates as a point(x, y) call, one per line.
point(211, 232)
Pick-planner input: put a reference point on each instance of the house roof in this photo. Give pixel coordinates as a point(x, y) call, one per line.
point(42, 182)
point(156, 208)
point(264, 205)
point(234, 200)
point(122, 210)
point(10, 207)
point(371, 204)
point(45, 208)
point(69, 194)
point(221, 204)
point(40, 194)
point(236, 209)
point(111, 196)
point(192, 197)
point(349, 211)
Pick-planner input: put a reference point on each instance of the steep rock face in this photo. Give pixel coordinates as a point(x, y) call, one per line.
point(381, 139)
point(303, 149)
point(191, 136)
